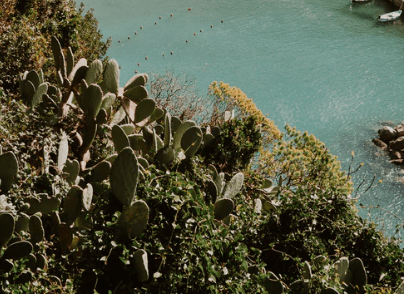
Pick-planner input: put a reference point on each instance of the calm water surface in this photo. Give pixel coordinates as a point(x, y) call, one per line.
point(323, 66)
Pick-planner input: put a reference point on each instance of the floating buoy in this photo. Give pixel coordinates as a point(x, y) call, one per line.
point(186, 41)
point(138, 64)
point(135, 33)
point(221, 20)
point(128, 38)
point(159, 17)
point(189, 8)
point(211, 26)
point(163, 54)
point(171, 15)
point(171, 52)
point(194, 34)
point(135, 71)
point(141, 27)
point(155, 23)
point(119, 41)
point(146, 58)
point(120, 67)
point(201, 31)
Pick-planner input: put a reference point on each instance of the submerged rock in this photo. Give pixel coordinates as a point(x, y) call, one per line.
point(379, 143)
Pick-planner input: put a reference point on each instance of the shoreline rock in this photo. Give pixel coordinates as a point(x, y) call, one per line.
point(391, 140)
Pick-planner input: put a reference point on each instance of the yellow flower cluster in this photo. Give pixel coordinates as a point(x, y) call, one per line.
point(229, 98)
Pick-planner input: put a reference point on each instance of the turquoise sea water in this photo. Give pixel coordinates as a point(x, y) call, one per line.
point(323, 66)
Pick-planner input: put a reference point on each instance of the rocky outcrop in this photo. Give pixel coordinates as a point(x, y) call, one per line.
point(392, 141)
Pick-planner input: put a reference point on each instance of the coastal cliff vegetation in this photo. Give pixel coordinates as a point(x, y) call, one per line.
point(142, 186)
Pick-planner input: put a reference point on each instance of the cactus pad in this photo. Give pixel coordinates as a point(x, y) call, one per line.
point(124, 176)
point(234, 186)
point(136, 94)
point(7, 224)
point(136, 80)
point(36, 229)
point(9, 169)
point(44, 205)
point(119, 138)
point(141, 265)
point(87, 197)
point(94, 72)
point(223, 207)
point(111, 76)
point(191, 141)
point(18, 250)
point(72, 204)
point(134, 218)
point(92, 100)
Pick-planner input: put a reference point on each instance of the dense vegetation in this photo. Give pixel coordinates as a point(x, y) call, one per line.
point(104, 189)
point(26, 27)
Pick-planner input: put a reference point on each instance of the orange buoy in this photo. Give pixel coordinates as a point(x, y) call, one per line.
point(189, 8)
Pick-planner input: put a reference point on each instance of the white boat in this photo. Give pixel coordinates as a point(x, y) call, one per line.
point(391, 16)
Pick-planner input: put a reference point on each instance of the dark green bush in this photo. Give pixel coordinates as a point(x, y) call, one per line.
point(235, 146)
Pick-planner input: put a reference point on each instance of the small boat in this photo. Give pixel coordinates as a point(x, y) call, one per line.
point(361, 1)
point(391, 16)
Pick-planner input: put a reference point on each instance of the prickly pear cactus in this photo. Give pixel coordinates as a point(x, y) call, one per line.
point(94, 72)
point(141, 265)
point(119, 138)
point(7, 224)
point(44, 204)
point(124, 176)
point(63, 150)
point(356, 276)
point(223, 208)
point(92, 100)
point(18, 250)
point(111, 76)
point(136, 94)
point(72, 171)
point(87, 197)
point(191, 141)
point(134, 219)
point(22, 223)
point(36, 229)
point(136, 80)
point(101, 171)
point(234, 186)
point(341, 267)
point(144, 109)
point(73, 203)
point(9, 168)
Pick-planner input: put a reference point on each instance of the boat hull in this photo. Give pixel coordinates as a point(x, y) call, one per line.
point(391, 16)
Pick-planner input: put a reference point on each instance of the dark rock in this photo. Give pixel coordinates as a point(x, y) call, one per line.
point(397, 144)
point(395, 155)
point(379, 143)
point(399, 130)
point(397, 161)
point(387, 134)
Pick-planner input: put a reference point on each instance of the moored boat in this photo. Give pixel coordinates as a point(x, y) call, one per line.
point(391, 16)
point(361, 1)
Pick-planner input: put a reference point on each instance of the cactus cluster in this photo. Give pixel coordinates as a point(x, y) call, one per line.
point(222, 194)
